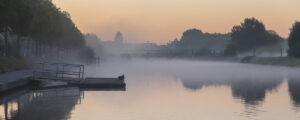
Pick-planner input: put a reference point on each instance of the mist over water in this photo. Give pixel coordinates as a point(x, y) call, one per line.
point(205, 89)
point(189, 69)
point(177, 89)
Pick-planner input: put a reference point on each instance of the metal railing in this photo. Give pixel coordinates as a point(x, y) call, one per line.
point(58, 71)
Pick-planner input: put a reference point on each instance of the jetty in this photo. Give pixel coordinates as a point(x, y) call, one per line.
point(73, 74)
point(57, 75)
point(12, 80)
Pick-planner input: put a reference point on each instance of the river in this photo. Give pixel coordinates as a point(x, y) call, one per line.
point(169, 89)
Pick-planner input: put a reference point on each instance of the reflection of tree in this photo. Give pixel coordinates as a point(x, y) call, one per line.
point(252, 91)
point(294, 90)
point(195, 84)
point(46, 105)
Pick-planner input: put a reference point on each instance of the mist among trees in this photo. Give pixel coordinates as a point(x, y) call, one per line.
point(252, 34)
point(39, 28)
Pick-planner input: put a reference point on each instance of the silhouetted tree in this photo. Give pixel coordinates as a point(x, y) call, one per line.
point(191, 37)
point(294, 41)
point(119, 37)
point(196, 43)
point(41, 22)
point(252, 34)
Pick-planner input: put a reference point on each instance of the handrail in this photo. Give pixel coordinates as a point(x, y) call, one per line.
point(54, 63)
point(58, 71)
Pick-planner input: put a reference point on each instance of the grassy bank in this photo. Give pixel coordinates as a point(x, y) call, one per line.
point(278, 61)
point(9, 64)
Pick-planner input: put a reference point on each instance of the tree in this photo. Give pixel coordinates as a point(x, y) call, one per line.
point(42, 23)
point(294, 41)
point(8, 14)
point(119, 37)
point(21, 24)
point(252, 34)
point(191, 37)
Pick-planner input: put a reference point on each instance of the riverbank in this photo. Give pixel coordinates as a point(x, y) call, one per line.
point(9, 64)
point(12, 80)
point(275, 61)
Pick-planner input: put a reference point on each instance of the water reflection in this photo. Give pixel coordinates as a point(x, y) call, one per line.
point(198, 84)
point(253, 91)
point(198, 91)
point(43, 104)
point(294, 90)
point(249, 90)
point(53, 104)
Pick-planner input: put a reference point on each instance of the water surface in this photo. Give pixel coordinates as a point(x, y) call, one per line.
point(169, 90)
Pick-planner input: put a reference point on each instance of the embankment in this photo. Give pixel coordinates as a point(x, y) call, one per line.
point(276, 61)
point(9, 64)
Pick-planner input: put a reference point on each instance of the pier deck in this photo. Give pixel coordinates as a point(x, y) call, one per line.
point(102, 83)
point(50, 75)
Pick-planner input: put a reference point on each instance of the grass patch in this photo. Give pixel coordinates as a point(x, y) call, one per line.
point(280, 61)
point(8, 64)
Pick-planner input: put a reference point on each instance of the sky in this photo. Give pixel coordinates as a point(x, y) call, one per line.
point(161, 21)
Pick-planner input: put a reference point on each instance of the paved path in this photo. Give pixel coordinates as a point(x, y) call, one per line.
point(15, 79)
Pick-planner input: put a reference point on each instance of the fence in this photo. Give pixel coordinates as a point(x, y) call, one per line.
point(58, 71)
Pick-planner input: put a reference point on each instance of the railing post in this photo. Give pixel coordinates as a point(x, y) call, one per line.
point(56, 72)
point(79, 76)
point(63, 71)
point(83, 72)
point(43, 66)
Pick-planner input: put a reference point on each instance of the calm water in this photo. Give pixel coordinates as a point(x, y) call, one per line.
point(169, 90)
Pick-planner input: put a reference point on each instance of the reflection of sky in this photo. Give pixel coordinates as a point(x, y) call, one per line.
point(177, 103)
point(153, 93)
point(162, 20)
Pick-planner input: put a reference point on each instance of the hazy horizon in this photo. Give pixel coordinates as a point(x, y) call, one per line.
point(161, 21)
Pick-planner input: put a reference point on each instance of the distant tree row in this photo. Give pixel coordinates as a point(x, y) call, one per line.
point(40, 28)
point(194, 40)
point(250, 35)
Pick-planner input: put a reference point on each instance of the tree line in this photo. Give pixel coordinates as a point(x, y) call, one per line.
point(39, 28)
point(250, 35)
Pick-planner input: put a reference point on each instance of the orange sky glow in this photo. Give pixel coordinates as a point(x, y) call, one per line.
point(161, 21)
